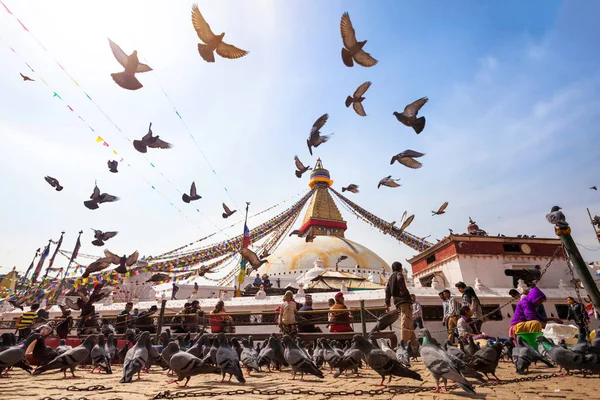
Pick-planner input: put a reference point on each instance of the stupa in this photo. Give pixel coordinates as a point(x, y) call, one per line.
point(323, 220)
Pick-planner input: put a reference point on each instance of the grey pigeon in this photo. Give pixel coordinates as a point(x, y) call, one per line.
point(136, 358)
point(409, 116)
point(266, 356)
point(386, 349)
point(402, 354)
point(62, 347)
point(14, 355)
point(154, 142)
point(486, 360)
point(456, 352)
point(315, 139)
point(523, 355)
point(132, 65)
point(193, 194)
point(407, 158)
point(441, 366)
point(385, 320)
point(185, 365)
point(381, 363)
point(98, 198)
point(228, 360)
point(389, 182)
point(566, 359)
point(357, 98)
point(351, 360)
point(353, 49)
point(556, 217)
point(352, 188)
point(69, 359)
point(300, 168)
point(298, 360)
point(249, 357)
point(99, 357)
point(471, 348)
point(169, 351)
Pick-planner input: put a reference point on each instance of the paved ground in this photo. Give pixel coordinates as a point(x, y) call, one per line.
point(20, 386)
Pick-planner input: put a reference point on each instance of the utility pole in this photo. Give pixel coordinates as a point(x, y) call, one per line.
point(563, 231)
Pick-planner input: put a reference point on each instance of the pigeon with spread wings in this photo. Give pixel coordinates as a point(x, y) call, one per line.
point(353, 49)
point(407, 158)
point(440, 210)
point(122, 262)
point(228, 213)
point(389, 182)
point(132, 65)
point(252, 258)
point(406, 223)
point(409, 116)
point(352, 188)
point(193, 194)
point(100, 237)
point(154, 142)
point(211, 41)
point(54, 183)
point(97, 266)
point(357, 98)
point(26, 78)
point(98, 198)
point(315, 139)
point(301, 169)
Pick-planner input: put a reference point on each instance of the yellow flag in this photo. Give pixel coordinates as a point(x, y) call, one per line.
point(99, 139)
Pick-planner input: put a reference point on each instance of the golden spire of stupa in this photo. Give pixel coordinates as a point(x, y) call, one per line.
point(322, 217)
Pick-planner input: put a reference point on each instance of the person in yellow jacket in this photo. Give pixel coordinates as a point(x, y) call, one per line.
point(26, 320)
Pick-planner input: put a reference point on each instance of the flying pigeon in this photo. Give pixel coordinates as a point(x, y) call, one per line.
point(315, 139)
point(556, 217)
point(407, 158)
point(101, 237)
point(353, 49)
point(112, 166)
point(211, 41)
point(98, 265)
point(136, 358)
point(99, 198)
point(301, 169)
point(154, 142)
point(228, 213)
point(406, 223)
point(192, 196)
point(54, 183)
point(252, 258)
point(310, 238)
point(122, 262)
point(357, 98)
point(69, 359)
point(594, 188)
point(158, 277)
point(389, 182)
point(351, 188)
point(440, 210)
point(132, 65)
point(26, 78)
point(409, 116)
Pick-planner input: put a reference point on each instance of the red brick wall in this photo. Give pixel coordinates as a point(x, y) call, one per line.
point(441, 254)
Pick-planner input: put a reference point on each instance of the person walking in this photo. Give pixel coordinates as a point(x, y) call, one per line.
point(470, 299)
point(417, 313)
point(396, 290)
point(174, 291)
point(287, 315)
point(451, 313)
point(578, 315)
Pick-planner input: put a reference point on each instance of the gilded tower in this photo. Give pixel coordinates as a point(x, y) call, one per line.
point(322, 217)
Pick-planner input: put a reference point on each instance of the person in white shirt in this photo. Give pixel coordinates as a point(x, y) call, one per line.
point(417, 313)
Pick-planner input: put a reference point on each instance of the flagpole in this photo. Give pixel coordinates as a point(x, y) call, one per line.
point(238, 292)
point(72, 255)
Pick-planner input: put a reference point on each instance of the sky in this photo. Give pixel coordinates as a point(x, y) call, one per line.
point(512, 118)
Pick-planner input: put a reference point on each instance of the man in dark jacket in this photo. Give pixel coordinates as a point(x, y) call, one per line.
point(578, 315)
point(396, 290)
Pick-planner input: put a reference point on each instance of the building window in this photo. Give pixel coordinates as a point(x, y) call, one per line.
point(511, 248)
point(433, 313)
point(431, 259)
point(562, 310)
point(488, 308)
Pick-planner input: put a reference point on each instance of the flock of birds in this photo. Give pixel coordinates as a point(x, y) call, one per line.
point(184, 356)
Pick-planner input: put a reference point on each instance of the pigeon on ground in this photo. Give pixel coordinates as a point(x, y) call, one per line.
point(228, 360)
point(154, 142)
point(211, 41)
point(383, 345)
point(227, 212)
point(100, 237)
point(409, 116)
point(566, 359)
point(169, 351)
point(315, 139)
point(381, 363)
point(266, 356)
point(98, 198)
point(406, 223)
point(471, 348)
point(249, 357)
point(15, 354)
point(556, 217)
point(486, 360)
point(99, 357)
point(454, 351)
point(132, 65)
point(385, 320)
point(298, 360)
point(26, 78)
point(351, 188)
point(351, 360)
point(353, 49)
point(112, 166)
point(407, 158)
point(69, 359)
point(389, 182)
point(441, 210)
point(402, 354)
point(136, 358)
point(111, 348)
point(252, 258)
point(193, 194)
point(62, 347)
point(523, 356)
point(122, 262)
point(300, 168)
point(54, 183)
point(441, 365)
point(357, 98)
point(186, 365)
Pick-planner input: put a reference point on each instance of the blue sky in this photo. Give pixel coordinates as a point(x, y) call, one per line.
point(512, 120)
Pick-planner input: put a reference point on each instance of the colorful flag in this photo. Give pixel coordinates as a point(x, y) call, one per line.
point(55, 251)
point(76, 251)
point(246, 242)
point(40, 264)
